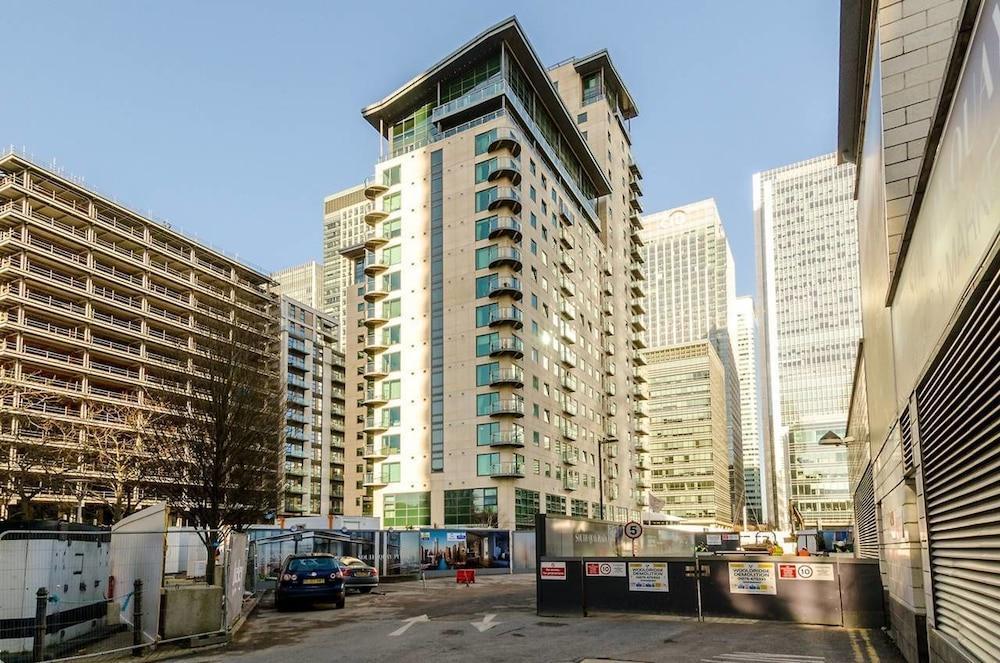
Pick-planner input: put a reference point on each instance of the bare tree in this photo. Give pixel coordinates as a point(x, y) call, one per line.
point(219, 450)
point(122, 457)
point(37, 451)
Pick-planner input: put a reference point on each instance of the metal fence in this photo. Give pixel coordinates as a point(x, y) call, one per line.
point(68, 594)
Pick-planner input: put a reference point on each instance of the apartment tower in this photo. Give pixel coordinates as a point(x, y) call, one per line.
point(496, 309)
point(809, 309)
point(343, 226)
point(104, 312)
point(692, 292)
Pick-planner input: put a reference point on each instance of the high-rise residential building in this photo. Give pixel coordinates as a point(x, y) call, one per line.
point(810, 317)
point(691, 294)
point(754, 465)
point(303, 283)
point(104, 311)
point(497, 305)
point(343, 226)
point(688, 443)
point(313, 372)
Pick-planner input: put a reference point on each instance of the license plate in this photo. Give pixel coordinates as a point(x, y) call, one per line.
point(362, 573)
point(313, 581)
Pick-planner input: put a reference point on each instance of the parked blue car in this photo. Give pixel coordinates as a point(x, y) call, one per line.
point(309, 578)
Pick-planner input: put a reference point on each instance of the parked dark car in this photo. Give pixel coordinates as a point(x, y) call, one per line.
point(309, 578)
point(358, 575)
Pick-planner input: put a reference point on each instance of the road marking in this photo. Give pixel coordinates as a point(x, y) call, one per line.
point(486, 624)
point(409, 622)
point(762, 657)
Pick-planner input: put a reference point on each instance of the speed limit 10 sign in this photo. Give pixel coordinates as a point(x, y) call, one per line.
point(633, 530)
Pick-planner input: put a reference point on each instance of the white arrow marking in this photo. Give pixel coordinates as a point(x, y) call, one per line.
point(409, 622)
point(486, 624)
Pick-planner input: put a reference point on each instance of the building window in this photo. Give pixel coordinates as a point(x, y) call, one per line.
point(581, 118)
point(485, 463)
point(484, 140)
point(484, 373)
point(484, 226)
point(484, 343)
point(484, 433)
point(579, 508)
point(555, 505)
point(390, 176)
point(484, 313)
point(525, 507)
point(486, 402)
point(484, 284)
point(406, 509)
point(391, 203)
point(484, 198)
point(471, 506)
point(484, 168)
point(390, 472)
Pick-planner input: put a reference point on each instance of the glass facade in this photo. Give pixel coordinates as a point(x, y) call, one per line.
point(471, 506)
point(437, 311)
point(406, 509)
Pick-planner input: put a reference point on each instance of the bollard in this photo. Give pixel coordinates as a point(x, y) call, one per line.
point(137, 618)
point(41, 605)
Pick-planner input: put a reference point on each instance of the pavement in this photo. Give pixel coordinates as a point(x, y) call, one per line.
point(494, 620)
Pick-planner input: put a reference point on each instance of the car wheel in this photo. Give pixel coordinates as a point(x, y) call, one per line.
point(280, 605)
point(364, 590)
point(340, 603)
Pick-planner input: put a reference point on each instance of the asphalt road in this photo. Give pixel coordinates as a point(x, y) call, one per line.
point(495, 620)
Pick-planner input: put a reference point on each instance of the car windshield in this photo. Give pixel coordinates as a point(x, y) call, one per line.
point(309, 564)
point(352, 561)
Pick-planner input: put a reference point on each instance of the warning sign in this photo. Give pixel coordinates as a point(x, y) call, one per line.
point(607, 569)
point(553, 570)
point(647, 577)
point(805, 572)
point(752, 578)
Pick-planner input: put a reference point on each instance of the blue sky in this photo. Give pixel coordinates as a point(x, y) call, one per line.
point(232, 120)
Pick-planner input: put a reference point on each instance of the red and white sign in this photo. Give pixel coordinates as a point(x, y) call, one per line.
point(553, 570)
point(606, 569)
point(805, 571)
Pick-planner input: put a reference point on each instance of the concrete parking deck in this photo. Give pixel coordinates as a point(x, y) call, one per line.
point(495, 620)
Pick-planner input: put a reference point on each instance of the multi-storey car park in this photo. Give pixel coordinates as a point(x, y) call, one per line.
point(104, 310)
point(494, 317)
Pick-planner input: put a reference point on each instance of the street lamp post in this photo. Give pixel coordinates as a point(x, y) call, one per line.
point(600, 471)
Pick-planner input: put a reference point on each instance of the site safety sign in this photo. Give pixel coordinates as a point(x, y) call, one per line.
point(553, 570)
point(806, 572)
point(752, 578)
point(606, 569)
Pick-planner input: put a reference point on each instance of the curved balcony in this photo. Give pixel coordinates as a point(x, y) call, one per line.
point(374, 317)
point(375, 424)
point(506, 197)
point(373, 191)
point(506, 256)
point(507, 470)
point(374, 265)
point(503, 439)
point(376, 452)
point(374, 370)
point(374, 291)
point(570, 456)
point(510, 346)
point(375, 241)
point(374, 398)
point(641, 445)
point(507, 139)
point(374, 479)
point(611, 433)
point(571, 483)
point(507, 377)
point(506, 226)
point(507, 315)
point(374, 216)
point(511, 407)
point(375, 344)
point(506, 286)
point(569, 431)
point(505, 168)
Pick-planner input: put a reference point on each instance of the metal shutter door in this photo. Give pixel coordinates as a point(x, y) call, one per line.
point(958, 432)
point(866, 536)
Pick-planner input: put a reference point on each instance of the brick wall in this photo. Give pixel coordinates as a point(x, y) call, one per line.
point(915, 38)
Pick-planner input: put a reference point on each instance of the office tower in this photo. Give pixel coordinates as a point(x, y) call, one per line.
point(343, 226)
point(689, 446)
point(497, 302)
point(303, 283)
point(691, 293)
point(104, 310)
point(810, 317)
point(313, 371)
point(745, 345)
